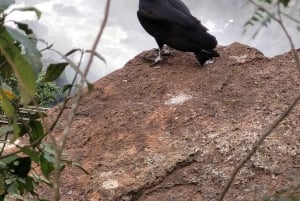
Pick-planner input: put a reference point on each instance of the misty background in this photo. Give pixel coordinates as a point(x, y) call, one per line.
point(74, 24)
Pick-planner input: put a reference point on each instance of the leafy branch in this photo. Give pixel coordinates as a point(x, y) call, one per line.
point(277, 17)
point(59, 149)
point(20, 57)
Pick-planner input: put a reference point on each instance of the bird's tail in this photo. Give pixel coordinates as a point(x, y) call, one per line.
point(204, 55)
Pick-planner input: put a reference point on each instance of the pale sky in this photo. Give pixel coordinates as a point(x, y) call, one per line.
point(74, 23)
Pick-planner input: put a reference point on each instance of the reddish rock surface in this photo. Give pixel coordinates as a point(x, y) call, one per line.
point(176, 131)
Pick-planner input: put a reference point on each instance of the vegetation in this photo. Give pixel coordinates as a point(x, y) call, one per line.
point(20, 63)
point(47, 93)
point(22, 86)
point(266, 12)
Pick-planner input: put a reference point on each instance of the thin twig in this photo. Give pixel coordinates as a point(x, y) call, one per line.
point(282, 117)
point(280, 22)
point(75, 105)
point(291, 18)
point(4, 144)
point(47, 131)
point(76, 74)
point(257, 145)
point(294, 51)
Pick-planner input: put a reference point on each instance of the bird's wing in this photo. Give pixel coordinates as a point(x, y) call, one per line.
point(180, 15)
point(180, 6)
point(174, 11)
point(183, 15)
point(142, 13)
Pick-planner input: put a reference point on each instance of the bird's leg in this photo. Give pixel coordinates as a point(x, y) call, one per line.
point(163, 50)
point(160, 51)
point(158, 58)
point(166, 50)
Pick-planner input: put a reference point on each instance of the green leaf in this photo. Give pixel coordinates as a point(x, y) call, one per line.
point(23, 129)
point(54, 71)
point(16, 131)
point(72, 51)
point(29, 184)
point(32, 55)
point(37, 115)
point(13, 188)
point(24, 27)
point(4, 4)
point(26, 80)
point(20, 66)
point(10, 113)
point(96, 54)
point(49, 148)
point(34, 155)
point(6, 104)
point(30, 9)
point(70, 62)
point(2, 185)
point(47, 164)
point(37, 131)
point(5, 68)
point(9, 159)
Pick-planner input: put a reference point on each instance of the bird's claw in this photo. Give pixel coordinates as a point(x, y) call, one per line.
point(157, 60)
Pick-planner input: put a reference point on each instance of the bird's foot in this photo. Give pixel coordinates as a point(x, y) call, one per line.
point(210, 61)
point(157, 60)
point(165, 51)
point(152, 60)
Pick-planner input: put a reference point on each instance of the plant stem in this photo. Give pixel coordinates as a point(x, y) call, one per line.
point(75, 105)
point(257, 145)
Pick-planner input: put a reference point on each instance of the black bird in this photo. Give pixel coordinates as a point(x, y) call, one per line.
point(171, 23)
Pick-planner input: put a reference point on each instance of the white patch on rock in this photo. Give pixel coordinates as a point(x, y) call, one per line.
point(239, 59)
point(178, 99)
point(110, 184)
point(106, 174)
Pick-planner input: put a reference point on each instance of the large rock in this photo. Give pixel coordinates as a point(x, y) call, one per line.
point(176, 131)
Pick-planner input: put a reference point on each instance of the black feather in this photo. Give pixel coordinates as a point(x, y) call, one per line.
point(171, 23)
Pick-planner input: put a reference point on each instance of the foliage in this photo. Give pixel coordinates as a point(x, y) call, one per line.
point(20, 62)
point(291, 193)
point(9, 94)
point(266, 12)
point(47, 95)
point(24, 88)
